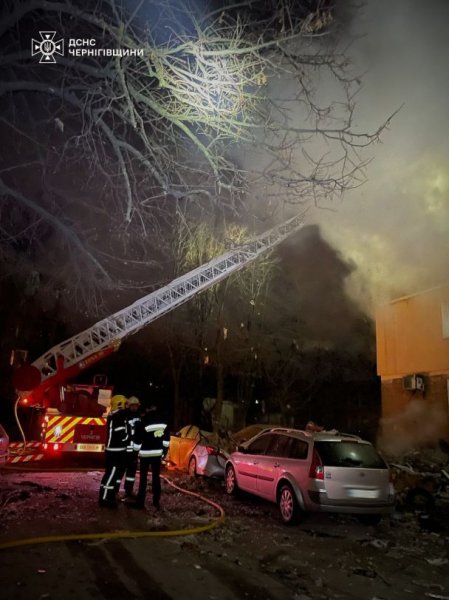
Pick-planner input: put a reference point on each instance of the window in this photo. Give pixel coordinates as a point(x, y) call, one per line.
point(349, 454)
point(260, 445)
point(279, 446)
point(445, 318)
point(298, 449)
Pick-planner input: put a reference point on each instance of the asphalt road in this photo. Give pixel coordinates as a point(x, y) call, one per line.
point(251, 556)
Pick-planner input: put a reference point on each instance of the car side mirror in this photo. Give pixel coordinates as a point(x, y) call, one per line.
point(241, 449)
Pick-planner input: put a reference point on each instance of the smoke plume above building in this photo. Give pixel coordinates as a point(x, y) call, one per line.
point(394, 229)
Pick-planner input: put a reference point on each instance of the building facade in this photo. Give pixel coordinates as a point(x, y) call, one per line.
point(412, 341)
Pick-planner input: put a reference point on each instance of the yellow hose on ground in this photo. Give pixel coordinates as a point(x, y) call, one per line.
point(125, 534)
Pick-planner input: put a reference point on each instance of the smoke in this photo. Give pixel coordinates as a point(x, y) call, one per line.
point(394, 230)
point(416, 426)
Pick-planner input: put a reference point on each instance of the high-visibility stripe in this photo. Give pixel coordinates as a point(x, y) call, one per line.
point(27, 458)
point(149, 428)
point(116, 449)
point(27, 445)
point(52, 425)
point(69, 431)
point(146, 453)
point(67, 425)
point(108, 483)
point(54, 421)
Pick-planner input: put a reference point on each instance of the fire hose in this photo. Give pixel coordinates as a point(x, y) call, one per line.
point(126, 534)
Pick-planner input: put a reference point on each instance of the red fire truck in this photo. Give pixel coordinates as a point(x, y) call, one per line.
point(73, 416)
point(75, 421)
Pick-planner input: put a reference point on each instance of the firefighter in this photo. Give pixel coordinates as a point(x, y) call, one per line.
point(132, 450)
point(115, 451)
point(153, 438)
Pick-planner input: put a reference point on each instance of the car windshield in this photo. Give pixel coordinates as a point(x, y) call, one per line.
point(349, 454)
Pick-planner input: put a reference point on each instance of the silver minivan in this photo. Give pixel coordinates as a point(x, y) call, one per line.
point(302, 471)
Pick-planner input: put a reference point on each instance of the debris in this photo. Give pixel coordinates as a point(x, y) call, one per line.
point(436, 596)
point(426, 584)
point(365, 572)
point(197, 567)
point(437, 562)
point(381, 544)
point(41, 571)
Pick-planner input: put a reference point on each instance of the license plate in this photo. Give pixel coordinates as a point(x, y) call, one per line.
point(363, 493)
point(89, 448)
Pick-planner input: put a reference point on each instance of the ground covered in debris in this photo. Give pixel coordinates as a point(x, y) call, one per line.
point(251, 556)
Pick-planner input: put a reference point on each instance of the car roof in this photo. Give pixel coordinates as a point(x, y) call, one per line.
point(322, 436)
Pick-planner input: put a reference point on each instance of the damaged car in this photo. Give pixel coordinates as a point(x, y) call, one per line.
point(313, 471)
point(196, 451)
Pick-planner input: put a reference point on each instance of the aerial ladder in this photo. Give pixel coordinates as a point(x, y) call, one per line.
point(64, 361)
point(68, 358)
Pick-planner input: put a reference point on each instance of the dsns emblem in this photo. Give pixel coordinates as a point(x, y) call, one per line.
point(47, 47)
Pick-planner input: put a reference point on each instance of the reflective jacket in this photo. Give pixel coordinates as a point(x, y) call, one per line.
point(152, 435)
point(133, 419)
point(117, 435)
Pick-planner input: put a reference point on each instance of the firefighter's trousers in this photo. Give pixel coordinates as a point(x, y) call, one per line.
point(115, 465)
point(131, 468)
point(155, 464)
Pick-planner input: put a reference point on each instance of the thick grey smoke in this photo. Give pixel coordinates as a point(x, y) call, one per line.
point(416, 426)
point(395, 229)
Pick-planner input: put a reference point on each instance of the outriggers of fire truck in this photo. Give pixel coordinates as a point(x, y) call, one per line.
point(64, 431)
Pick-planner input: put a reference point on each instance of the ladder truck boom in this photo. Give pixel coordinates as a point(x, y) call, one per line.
point(67, 359)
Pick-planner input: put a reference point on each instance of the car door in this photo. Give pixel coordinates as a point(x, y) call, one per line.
point(178, 443)
point(188, 442)
point(270, 465)
point(246, 463)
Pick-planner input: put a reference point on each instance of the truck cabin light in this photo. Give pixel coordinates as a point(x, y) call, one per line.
point(316, 468)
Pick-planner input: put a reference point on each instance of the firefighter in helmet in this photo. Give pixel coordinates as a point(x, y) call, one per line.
point(117, 433)
point(132, 450)
point(152, 435)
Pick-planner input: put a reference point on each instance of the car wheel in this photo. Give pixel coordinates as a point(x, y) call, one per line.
point(420, 499)
point(288, 505)
point(192, 467)
point(370, 519)
point(231, 481)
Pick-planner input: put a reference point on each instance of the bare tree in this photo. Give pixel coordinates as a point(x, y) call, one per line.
point(215, 329)
point(167, 105)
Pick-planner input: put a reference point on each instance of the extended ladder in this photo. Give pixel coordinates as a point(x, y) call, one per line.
point(110, 331)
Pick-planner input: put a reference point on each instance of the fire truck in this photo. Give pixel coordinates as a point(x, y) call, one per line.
point(69, 423)
point(76, 417)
